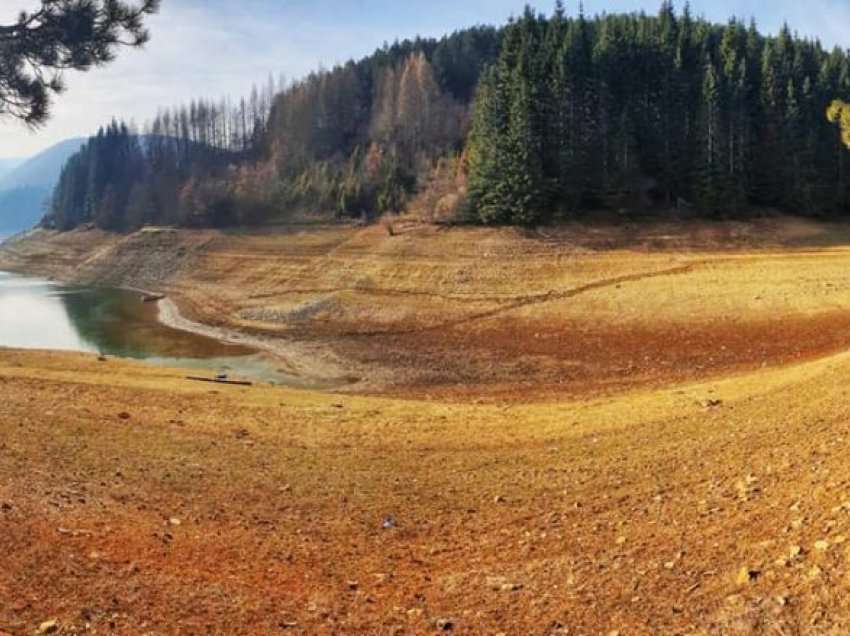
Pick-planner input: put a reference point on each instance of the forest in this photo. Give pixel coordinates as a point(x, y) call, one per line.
point(545, 119)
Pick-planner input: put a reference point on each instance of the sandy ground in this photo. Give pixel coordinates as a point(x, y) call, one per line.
point(561, 434)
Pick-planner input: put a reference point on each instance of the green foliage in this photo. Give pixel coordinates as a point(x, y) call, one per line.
point(553, 117)
point(652, 111)
point(62, 35)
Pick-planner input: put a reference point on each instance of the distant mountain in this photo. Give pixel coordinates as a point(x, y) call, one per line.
point(28, 184)
point(7, 165)
point(42, 169)
point(22, 208)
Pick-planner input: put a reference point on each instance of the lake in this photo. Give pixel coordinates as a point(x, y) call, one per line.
point(39, 314)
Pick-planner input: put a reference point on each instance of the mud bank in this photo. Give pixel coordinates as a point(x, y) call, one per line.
point(482, 313)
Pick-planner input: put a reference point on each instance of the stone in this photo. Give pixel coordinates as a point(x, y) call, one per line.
point(48, 627)
point(822, 546)
point(174, 521)
point(124, 416)
point(796, 552)
point(747, 575)
point(445, 624)
point(501, 584)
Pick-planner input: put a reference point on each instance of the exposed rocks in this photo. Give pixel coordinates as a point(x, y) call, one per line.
point(502, 584)
point(445, 624)
point(747, 575)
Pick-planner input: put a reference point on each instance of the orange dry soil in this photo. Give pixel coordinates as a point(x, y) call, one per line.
point(592, 431)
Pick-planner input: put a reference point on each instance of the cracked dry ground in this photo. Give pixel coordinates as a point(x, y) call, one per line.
point(134, 502)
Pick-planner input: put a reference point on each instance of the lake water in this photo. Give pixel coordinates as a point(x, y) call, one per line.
point(38, 314)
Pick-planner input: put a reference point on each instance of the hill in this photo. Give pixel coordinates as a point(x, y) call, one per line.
point(26, 185)
point(22, 208)
point(41, 170)
point(543, 120)
point(7, 165)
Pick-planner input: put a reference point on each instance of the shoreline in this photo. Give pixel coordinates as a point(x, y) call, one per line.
point(304, 364)
point(308, 367)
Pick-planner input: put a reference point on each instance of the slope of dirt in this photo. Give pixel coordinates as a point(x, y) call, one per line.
point(134, 502)
point(661, 448)
point(493, 313)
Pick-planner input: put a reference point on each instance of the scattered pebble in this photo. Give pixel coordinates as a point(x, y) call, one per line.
point(747, 575)
point(48, 627)
point(445, 624)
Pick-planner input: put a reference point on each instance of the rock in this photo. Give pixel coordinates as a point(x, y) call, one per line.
point(48, 627)
point(796, 552)
point(353, 585)
point(445, 624)
point(822, 546)
point(389, 523)
point(621, 540)
point(501, 584)
point(747, 575)
point(174, 521)
point(498, 499)
point(124, 416)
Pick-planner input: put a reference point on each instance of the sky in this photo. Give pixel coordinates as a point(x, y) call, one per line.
point(212, 48)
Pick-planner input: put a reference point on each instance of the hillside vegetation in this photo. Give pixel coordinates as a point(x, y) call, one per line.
point(546, 118)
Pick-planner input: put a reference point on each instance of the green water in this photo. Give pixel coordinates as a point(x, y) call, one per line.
point(38, 314)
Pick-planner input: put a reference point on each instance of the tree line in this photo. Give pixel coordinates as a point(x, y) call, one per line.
point(547, 118)
point(579, 114)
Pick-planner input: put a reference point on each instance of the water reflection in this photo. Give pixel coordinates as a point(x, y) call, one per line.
point(37, 314)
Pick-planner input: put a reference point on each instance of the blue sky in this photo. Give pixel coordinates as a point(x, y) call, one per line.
point(214, 47)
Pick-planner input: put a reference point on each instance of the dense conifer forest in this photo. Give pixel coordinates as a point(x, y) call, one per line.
point(547, 118)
